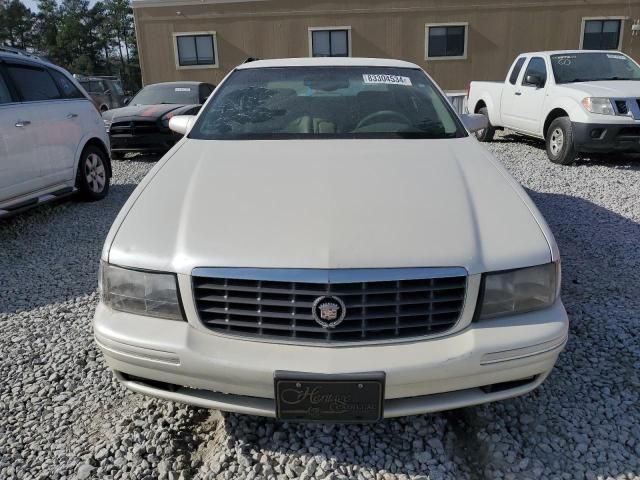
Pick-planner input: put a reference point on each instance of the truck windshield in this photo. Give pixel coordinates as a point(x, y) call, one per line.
point(166, 93)
point(327, 102)
point(593, 66)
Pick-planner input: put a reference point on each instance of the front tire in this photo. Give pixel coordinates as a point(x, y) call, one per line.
point(559, 141)
point(92, 178)
point(486, 134)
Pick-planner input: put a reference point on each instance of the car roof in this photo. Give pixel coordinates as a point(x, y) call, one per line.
point(8, 53)
point(327, 62)
point(565, 52)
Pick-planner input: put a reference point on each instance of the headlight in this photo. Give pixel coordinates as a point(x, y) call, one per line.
point(602, 106)
point(519, 291)
point(142, 293)
point(107, 124)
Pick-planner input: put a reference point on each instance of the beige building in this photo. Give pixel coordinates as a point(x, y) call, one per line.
point(456, 41)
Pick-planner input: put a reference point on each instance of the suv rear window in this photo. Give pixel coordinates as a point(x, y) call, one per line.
point(34, 84)
point(69, 90)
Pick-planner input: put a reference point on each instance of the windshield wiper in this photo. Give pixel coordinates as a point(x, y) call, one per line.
point(617, 78)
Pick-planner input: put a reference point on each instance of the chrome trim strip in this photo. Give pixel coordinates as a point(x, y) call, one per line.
point(346, 275)
point(524, 352)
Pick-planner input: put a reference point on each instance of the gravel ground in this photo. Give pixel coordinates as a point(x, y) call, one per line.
point(63, 416)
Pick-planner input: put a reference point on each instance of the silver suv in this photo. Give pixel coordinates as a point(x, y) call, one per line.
point(52, 138)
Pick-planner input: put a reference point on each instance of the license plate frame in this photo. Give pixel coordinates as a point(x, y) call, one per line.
point(319, 398)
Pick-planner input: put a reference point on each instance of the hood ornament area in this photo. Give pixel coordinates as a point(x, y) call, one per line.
point(328, 312)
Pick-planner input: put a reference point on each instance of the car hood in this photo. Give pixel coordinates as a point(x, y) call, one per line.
point(608, 88)
point(329, 204)
point(148, 112)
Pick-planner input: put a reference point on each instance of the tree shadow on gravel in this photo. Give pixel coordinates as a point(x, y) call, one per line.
point(50, 254)
point(582, 420)
point(626, 161)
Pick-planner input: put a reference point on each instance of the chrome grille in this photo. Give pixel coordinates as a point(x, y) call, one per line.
point(280, 309)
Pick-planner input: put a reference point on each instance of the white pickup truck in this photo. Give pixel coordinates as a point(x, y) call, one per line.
point(578, 101)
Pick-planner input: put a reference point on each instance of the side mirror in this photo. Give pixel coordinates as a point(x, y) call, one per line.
point(534, 80)
point(125, 101)
point(475, 122)
point(182, 124)
point(107, 92)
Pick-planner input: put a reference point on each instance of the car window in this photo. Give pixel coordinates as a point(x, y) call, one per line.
point(538, 68)
point(205, 91)
point(513, 78)
point(116, 87)
point(5, 95)
point(33, 84)
point(68, 88)
point(327, 102)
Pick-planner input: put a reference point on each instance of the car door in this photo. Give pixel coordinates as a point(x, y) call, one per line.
point(59, 128)
point(509, 93)
point(529, 96)
point(74, 115)
point(19, 166)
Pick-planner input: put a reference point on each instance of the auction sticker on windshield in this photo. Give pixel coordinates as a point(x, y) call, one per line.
point(386, 79)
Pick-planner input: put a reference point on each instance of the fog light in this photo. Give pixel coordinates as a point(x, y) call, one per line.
point(596, 133)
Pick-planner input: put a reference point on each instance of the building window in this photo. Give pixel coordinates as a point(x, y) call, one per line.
point(330, 42)
point(446, 41)
point(601, 34)
point(196, 50)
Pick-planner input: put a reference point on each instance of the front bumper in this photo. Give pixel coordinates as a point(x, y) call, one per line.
point(485, 362)
point(160, 142)
point(606, 137)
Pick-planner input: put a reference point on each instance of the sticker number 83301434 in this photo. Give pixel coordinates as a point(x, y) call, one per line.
point(386, 79)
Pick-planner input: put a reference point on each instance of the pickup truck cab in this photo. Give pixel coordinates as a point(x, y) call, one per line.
point(576, 100)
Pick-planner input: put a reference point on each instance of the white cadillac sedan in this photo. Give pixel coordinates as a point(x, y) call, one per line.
point(328, 243)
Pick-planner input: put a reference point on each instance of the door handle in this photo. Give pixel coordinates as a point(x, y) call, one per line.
point(22, 123)
point(518, 93)
point(72, 115)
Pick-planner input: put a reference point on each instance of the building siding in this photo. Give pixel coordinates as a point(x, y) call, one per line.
point(498, 31)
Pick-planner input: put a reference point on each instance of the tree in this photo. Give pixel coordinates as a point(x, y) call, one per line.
point(96, 40)
point(46, 27)
point(16, 22)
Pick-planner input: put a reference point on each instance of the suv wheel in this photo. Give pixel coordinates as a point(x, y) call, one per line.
point(559, 141)
point(92, 179)
point(486, 134)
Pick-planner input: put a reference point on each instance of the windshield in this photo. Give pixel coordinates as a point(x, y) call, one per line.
point(593, 66)
point(174, 93)
point(327, 102)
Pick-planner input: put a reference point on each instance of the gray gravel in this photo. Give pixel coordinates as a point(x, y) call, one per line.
point(63, 416)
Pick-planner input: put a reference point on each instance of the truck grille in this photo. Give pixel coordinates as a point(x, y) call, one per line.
point(375, 310)
point(133, 128)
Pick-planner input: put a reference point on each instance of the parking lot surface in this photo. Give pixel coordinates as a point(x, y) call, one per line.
point(62, 415)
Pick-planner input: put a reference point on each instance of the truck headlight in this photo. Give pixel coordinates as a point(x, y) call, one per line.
point(107, 125)
point(520, 291)
point(143, 293)
point(599, 105)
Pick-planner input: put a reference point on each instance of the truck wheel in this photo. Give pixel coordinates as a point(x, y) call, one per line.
point(559, 141)
point(486, 134)
point(92, 178)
